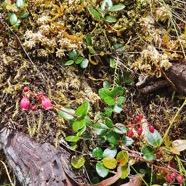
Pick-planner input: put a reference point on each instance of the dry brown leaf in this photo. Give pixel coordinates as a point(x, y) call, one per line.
point(134, 181)
point(108, 181)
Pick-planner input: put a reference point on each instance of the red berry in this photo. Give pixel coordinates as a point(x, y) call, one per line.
point(140, 130)
point(180, 179)
point(46, 103)
point(141, 116)
point(137, 117)
point(130, 133)
point(25, 89)
point(173, 175)
point(34, 108)
point(168, 178)
point(25, 103)
point(151, 129)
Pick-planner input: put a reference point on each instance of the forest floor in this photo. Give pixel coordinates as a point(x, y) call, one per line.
point(71, 51)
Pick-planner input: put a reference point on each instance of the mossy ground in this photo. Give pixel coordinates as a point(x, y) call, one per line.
point(53, 28)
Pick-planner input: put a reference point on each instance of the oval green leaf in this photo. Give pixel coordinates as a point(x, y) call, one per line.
point(69, 62)
point(100, 129)
point(127, 141)
point(154, 138)
point(122, 158)
point(24, 14)
point(97, 153)
point(117, 7)
point(82, 110)
point(67, 113)
point(117, 108)
point(72, 138)
point(109, 100)
point(13, 19)
point(124, 171)
point(72, 54)
point(111, 19)
point(79, 60)
point(78, 124)
point(94, 13)
point(148, 153)
point(84, 63)
point(120, 128)
point(104, 92)
point(109, 163)
point(20, 3)
point(81, 131)
point(110, 152)
point(101, 170)
point(109, 123)
point(77, 162)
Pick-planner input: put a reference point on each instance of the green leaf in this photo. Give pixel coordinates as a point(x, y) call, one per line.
point(91, 50)
point(122, 158)
point(72, 54)
point(117, 91)
point(120, 128)
point(120, 100)
point(79, 60)
point(89, 39)
point(81, 131)
point(72, 138)
point(20, 3)
point(78, 124)
point(24, 14)
point(112, 62)
point(14, 20)
point(106, 84)
point(110, 152)
point(124, 171)
point(94, 13)
point(117, 7)
point(113, 137)
point(117, 108)
point(109, 162)
point(110, 19)
point(127, 141)
point(109, 100)
point(82, 110)
point(108, 111)
point(148, 153)
point(100, 129)
point(154, 138)
point(106, 4)
point(101, 170)
point(97, 153)
point(65, 115)
point(77, 162)
point(69, 62)
point(84, 63)
point(109, 123)
point(104, 92)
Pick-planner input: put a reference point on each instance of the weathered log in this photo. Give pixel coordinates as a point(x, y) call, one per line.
point(174, 76)
point(36, 164)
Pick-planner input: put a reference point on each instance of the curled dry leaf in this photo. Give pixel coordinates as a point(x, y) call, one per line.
point(135, 180)
point(108, 181)
point(179, 145)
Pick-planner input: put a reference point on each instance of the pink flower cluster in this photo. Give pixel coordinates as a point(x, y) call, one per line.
point(42, 100)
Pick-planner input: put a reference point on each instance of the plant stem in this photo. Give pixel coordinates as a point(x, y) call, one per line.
point(173, 120)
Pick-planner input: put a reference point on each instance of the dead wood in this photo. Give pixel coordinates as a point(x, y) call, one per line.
point(174, 77)
point(36, 164)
